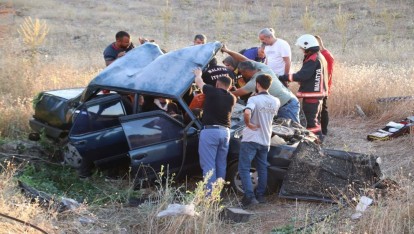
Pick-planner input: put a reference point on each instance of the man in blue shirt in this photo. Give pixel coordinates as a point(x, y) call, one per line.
point(255, 53)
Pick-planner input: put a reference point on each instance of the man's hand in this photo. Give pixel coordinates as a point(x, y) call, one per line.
point(224, 49)
point(120, 54)
point(247, 117)
point(197, 71)
point(143, 40)
point(198, 80)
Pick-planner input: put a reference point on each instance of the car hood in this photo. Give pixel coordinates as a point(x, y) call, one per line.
point(146, 69)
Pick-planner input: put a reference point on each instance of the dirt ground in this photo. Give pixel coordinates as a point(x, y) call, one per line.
point(344, 134)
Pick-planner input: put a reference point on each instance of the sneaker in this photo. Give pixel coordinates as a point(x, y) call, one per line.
point(261, 199)
point(249, 202)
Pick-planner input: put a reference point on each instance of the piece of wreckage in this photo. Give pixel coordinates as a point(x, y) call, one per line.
point(327, 175)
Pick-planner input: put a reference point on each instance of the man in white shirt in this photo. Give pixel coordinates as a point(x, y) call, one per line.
point(255, 144)
point(278, 52)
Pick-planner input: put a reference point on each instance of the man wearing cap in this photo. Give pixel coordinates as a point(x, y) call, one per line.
point(215, 135)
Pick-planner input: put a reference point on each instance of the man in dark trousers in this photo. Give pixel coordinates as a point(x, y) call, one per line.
point(118, 48)
point(313, 79)
point(324, 116)
point(215, 135)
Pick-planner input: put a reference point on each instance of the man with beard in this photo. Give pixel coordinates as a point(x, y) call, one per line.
point(215, 135)
point(118, 48)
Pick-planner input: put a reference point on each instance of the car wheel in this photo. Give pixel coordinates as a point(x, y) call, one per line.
point(283, 131)
point(71, 156)
point(234, 178)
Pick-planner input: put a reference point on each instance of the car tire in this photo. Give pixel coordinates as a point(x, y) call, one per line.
point(283, 131)
point(234, 178)
point(71, 156)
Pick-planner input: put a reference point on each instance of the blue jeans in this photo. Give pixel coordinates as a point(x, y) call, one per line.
point(290, 110)
point(213, 148)
point(248, 152)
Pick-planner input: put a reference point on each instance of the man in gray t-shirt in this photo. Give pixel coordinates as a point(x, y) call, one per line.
point(250, 70)
point(255, 144)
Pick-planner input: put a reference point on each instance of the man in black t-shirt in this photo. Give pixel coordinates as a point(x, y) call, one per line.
point(215, 135)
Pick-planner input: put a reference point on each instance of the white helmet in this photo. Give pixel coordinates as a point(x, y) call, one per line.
point(307, 41)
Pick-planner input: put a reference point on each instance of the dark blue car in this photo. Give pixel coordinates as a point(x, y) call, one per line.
point(106, 123)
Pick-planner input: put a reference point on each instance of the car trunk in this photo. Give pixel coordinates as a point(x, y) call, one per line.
point(52, 107)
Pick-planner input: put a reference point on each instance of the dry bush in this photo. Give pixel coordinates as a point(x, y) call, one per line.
point(14, 204)
point(363, 84)
point(33, 33)
point(392, 213)
point(308, 21)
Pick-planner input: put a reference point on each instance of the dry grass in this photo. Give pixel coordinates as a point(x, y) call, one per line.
point(371, 62)
point(14, 204)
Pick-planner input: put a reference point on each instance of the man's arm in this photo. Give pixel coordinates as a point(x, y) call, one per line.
point(198, 80)
point(287, 64)
point(110, 58)
point(107, 62)
point(240, 92)
point(237, 56)
point(247, 116)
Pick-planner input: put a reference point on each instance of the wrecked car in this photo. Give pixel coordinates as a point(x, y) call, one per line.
point(107, 123)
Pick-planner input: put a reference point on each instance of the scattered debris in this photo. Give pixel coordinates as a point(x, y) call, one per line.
point(393, 130)
point(47, 200)
point(395, 99)
point(324, 174)
point(363, 204)
point(178, 209)
point(69, 204)
point(85, 220)
point(237, 215)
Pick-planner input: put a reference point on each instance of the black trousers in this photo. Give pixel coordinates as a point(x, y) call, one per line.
point(312, 109)
point(324, 116)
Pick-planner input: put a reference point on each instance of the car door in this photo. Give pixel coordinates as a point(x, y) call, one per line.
point(157, 140)
point(97, 133)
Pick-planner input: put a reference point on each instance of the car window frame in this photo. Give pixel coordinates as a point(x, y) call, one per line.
point(93, 102)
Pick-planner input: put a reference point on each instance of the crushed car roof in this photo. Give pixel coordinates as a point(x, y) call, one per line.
point(146, 69)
